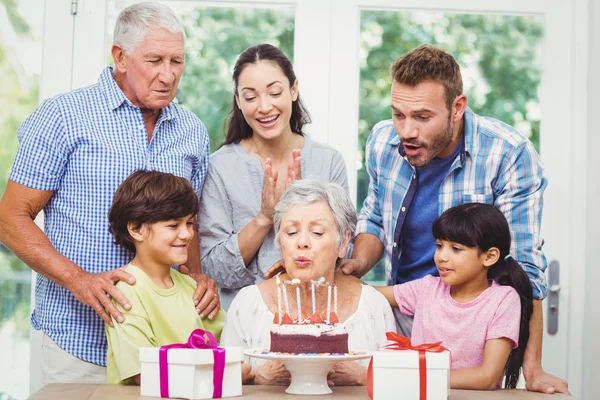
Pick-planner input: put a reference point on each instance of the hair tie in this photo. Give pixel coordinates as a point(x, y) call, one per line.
point(507, 257)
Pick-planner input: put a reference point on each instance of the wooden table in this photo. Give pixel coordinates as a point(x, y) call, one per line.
point(66, 391)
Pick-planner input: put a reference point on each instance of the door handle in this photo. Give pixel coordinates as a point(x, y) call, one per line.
point(553, 296)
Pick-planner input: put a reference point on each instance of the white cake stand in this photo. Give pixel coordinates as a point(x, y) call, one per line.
point(308, 371)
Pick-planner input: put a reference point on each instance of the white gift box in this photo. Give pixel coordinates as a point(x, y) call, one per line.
point(396, 375)
point(190, 373)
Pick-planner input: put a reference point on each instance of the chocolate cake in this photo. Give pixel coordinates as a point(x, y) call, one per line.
point(309, 338)
point(317, 334)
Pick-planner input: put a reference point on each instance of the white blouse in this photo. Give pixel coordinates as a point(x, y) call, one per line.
point(249, 321)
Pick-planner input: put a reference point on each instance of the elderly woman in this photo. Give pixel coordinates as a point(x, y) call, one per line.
point(313, 222)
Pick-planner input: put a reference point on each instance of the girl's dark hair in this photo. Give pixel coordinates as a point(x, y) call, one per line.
point(146, 197)
point(483, 226)
point(236, 128)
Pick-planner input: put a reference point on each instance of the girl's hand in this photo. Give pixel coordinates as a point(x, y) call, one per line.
point(347, 373)
point(294, 168)
point(272, 373)
point(247, 374)
point(269, 193)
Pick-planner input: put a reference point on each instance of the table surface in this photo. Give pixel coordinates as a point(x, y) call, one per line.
point(69, 391)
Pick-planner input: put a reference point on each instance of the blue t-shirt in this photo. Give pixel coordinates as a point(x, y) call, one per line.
point(417, 241)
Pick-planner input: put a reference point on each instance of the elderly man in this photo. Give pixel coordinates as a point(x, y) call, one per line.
point(436, 153)
point(76, 149)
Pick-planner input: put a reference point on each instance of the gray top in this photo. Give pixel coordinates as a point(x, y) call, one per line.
point(231, 198)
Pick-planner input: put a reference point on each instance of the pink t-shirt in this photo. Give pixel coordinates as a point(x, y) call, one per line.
point(463, 328)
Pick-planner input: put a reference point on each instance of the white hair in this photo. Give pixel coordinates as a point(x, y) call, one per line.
point(137, 20)
point(308, 191)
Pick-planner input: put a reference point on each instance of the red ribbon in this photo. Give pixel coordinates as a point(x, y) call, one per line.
point(195, 341)
point(403, 343)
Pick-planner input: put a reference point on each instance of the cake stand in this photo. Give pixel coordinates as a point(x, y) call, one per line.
point(308, 371)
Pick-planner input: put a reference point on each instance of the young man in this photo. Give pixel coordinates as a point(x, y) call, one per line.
point(434, 154)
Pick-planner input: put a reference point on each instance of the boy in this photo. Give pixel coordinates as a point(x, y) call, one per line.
point(152, 214)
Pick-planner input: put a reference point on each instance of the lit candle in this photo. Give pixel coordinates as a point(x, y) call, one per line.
point(279, 298)
point(335, 299)
point(296, 282)
point(314, 299)
point(285, 300)
point(328, 303)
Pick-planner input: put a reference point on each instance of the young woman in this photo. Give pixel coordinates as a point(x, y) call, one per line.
point(480, 305)
point(264, 151)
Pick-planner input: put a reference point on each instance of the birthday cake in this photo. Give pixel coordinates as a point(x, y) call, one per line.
point(317, 334)
point(309, 338)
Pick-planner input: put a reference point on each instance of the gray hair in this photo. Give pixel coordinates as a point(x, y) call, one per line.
point(137, 20)
point(308, 191)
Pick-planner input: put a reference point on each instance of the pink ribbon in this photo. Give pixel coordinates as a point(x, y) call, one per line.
point(195, 341)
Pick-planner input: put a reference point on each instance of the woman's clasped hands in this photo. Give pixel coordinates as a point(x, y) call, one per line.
point(271, 191)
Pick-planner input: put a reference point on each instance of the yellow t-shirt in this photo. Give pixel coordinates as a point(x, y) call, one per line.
point(157, 317)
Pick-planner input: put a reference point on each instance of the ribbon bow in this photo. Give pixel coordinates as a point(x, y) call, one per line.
point(403, 343)
point(195, 341)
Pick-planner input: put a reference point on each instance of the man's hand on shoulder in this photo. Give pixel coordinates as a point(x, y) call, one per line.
point(275, 269)
point(206, 298)
point(353, 266)
point(95, 289)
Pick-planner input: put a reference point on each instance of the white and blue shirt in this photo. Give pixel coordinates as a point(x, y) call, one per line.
point(497, 165)
point(82, 145)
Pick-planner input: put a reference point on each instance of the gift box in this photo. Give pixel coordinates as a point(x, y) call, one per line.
point(409, 372)
point(191, 371)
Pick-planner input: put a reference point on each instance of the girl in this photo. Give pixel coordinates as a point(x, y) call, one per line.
point(265, 149)
point(480, 304)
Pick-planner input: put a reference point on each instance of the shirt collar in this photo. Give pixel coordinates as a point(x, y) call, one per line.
point(116, 97)
point(469, 138)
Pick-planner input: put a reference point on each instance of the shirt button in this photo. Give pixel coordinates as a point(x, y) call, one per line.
point(403, 209)
point(394, 244)
point(414, 176)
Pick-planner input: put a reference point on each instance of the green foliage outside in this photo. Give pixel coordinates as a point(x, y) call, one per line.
point(500, 59)
point(214, 40)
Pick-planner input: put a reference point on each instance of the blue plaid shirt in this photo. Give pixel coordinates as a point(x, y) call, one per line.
point(498, 165)
point(82, 145)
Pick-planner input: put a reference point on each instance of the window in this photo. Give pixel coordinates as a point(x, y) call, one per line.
point(215, 36)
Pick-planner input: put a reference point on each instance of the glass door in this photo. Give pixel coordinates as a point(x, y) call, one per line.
point(516, 67)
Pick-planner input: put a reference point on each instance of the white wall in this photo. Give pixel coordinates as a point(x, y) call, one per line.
point(591, 344)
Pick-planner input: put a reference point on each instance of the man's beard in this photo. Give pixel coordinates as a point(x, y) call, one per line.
point(431, 150)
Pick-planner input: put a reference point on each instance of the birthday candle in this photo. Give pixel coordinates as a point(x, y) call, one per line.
point(328, 302)
point(296, 282)
point(335, 299)
point(285, 300)
point(279, 298)
point(314, 300)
